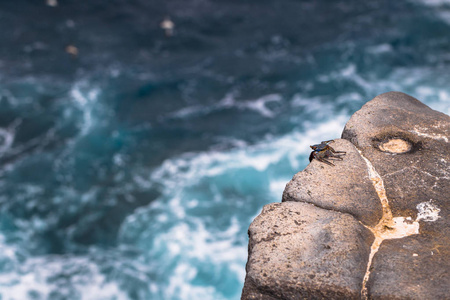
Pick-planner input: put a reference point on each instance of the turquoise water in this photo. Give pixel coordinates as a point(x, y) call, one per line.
point(133, 170)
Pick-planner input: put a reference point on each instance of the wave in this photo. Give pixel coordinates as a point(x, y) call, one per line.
point(258, 105)
point(58, 277)
point(195, 233)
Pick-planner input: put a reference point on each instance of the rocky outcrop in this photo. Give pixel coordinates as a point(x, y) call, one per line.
point(346, 188)
point(375, 226)
point(300, 250)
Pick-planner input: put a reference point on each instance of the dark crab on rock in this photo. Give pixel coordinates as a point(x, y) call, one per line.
point(323, 151)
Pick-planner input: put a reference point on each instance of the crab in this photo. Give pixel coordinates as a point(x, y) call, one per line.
point(323, 151)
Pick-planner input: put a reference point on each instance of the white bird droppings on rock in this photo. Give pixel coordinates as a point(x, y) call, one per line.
point(428, 211)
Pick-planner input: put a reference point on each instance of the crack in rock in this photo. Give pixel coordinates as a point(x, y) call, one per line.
point(434, 136)
point(388, 227)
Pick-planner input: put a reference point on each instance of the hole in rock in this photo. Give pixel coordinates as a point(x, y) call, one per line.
point(395, 145)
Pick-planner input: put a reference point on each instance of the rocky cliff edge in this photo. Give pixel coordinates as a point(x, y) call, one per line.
point(374, 226)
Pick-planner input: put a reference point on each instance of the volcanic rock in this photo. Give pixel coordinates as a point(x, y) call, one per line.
point(301, 251)
point(417, 183)
point(346, 188)
point(374, 226)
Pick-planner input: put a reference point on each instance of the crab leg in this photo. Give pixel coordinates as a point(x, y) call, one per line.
point(334, 151)
point(335, 157)
point(325, 161)
point(330, 153)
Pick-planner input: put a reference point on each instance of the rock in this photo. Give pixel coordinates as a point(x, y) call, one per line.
point(417, 183)
point(345, 188)
point(418, 175)
point(301, 251)
point(414, 267)
point(374, 226)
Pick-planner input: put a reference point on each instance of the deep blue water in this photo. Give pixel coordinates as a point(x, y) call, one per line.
point(133, 170)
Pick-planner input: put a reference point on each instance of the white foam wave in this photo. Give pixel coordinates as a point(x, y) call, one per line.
point(192, 166)
point(199, 244)
point(381, 48)
point(423, 84)
point(68, 277)
point(441, 8)
point(434, 3)
point(6, 140)
point(258, 105)
point(85, 99)
point(428, 84)
point(182, 241)
point(10, 256)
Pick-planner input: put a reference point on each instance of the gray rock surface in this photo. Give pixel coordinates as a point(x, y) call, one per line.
point(346, 188)
point(298, 250)
point(414, 267)
point(375, 226)
point(415, 178)
point(410, 178)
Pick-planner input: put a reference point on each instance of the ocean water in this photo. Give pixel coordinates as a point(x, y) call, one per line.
point(133, 169)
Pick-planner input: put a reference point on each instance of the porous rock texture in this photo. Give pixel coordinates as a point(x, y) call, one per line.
point(331, 237)
point(306, 251)
point(346, 188)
